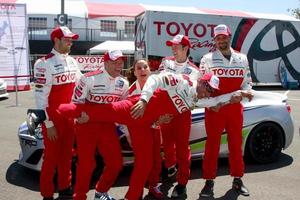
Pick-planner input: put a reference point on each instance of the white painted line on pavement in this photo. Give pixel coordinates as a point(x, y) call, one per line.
point(293, 99)
point(286, 92)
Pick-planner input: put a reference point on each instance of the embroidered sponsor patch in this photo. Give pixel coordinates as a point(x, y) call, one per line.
point(57, 65)
point(40, 80)
point(187, 71)
point(39, 75)
point(41, 70)
point(119, 84)
point(99, 86)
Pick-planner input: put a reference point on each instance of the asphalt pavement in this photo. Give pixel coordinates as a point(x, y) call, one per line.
point(276, 181)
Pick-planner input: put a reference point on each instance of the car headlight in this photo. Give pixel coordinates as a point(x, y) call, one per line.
point(38, 132)
point(23, 130)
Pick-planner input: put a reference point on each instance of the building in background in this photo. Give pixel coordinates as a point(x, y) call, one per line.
point(97, 22)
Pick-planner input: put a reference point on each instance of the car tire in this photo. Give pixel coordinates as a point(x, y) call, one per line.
point(265, 143)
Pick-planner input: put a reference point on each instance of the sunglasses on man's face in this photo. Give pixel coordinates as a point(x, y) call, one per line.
point(208, 87)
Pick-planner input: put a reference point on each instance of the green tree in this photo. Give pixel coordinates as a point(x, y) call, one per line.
point(295, 11)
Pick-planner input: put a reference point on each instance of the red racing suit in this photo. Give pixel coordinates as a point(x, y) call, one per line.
point(234, 75)
point(177, 132)
point(153, 178)
point(178, 96)
point(55, 76)
point(98, 87)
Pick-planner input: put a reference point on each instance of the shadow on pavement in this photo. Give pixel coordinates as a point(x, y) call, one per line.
point(23, 177)
point(229, 195)
point(223, 166)
point(271, 88)
point(3, 98)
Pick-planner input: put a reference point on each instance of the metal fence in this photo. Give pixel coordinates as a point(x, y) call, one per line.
point(84, 34)
point(34, 57)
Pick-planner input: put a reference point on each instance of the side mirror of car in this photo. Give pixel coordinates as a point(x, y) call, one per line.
point(34, 118)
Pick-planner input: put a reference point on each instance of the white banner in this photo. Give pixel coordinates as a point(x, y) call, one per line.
point(266, 42)
point(14, 68)
point(89, 63)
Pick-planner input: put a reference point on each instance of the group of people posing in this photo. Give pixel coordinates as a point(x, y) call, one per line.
point(156, 108)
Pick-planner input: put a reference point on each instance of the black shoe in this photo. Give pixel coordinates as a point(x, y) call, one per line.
point(239, 187)
point(179, 191)
point(48, 198)
point(66, 194)
point(172, 171)
point(102, 196)
point(208, 189)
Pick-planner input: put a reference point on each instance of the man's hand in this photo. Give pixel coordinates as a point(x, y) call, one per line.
point(236, 98)
point(51, 133)
point(137, 110)
point(84, 118)
point(247, 94)
point(217, 107)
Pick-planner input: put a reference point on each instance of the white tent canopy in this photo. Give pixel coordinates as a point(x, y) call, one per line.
point(127, 47)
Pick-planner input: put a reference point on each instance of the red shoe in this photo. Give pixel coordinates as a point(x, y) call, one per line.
point(155, 192)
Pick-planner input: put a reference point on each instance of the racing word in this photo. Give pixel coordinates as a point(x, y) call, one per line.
point(103, 99)
point(203, 44)
point(174, 28)
point(179, 103)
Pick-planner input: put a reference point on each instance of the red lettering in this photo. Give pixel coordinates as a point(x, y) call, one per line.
point(92, 60)
point(89, 59)
point(186, 29)
point(68, 77)
point(228, 72)
point(177, 28)
point(80, 60)
point(110, 99)
point(173, 28)
point(8, 6)
point(179, 103)
point(211, 26)
point(63, 78)
point(220, 71)
point(158, 26)
point(198, 34)
point(103, 99)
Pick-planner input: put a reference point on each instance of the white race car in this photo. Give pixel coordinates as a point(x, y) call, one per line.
point(3, 89)
point(267, 130)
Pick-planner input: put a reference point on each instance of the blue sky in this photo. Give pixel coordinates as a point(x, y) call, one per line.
point(260, 6)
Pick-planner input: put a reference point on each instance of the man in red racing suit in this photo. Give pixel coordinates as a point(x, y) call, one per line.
point(233, 71)
point(178, 95)
point(176, 133)
point(55, 76)
point(103, 86)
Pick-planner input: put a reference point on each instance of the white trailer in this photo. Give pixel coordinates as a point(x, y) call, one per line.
point(271, 42)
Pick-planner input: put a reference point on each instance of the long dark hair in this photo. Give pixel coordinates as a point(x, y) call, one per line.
point(130, 71)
